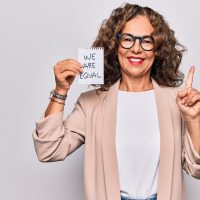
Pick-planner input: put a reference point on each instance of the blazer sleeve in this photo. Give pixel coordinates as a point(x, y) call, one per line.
point(54, 139)
point(190, 158)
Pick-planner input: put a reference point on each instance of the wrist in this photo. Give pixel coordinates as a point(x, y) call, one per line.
point(191, 120)
point(57, 95)
point(59, 101)
point(193, 127)
point(61, 91)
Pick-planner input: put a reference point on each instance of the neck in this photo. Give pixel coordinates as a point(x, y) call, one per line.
point(136, 84)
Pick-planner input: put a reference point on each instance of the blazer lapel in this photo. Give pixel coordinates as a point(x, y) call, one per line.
point(110, 162)
point(108, 144)
point(166, 142)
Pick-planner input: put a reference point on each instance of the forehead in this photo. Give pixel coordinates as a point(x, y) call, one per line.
point(139, 25)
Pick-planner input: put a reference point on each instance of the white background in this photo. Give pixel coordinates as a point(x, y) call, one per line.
point(34, 35)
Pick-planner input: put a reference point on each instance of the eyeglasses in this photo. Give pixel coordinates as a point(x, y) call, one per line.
point(127, 41)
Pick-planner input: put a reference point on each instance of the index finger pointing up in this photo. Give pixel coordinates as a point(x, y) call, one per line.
point(190, 76)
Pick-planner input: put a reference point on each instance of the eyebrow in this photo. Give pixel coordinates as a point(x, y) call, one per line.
point(136, 35)
point(151, 34)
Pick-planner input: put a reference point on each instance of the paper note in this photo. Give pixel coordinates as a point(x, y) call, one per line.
point(92, 60)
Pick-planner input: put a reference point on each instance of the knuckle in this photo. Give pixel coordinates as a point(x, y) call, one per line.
point(59, 76)
point(56, 67)
point(66, 74)
point(66, 61)
point(56, 73)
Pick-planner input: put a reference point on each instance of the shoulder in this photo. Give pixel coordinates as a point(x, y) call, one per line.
point(94, 94)
point(92, 97)
point(175, 90)
point(166, 90)
point(172, 91)
point(91, 101)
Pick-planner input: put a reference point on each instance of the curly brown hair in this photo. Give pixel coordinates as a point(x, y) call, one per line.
point(168, 51)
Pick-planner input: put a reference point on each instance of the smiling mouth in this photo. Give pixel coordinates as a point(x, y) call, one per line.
point(135, 60)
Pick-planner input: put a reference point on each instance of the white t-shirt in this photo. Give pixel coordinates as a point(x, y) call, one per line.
point(137, 143)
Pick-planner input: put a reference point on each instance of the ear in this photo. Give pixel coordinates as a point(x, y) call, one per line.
point(156, 54)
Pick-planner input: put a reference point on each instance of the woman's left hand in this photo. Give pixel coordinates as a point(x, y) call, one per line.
point(188, 99)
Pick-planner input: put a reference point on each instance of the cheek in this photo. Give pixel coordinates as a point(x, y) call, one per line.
point(121, 54)
point(151, 57)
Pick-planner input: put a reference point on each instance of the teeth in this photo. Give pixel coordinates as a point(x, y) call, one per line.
point(135, 59)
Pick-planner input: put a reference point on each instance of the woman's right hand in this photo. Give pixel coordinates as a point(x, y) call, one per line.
point(65, 72)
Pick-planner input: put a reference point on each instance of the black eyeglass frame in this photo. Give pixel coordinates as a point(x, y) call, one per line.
point(140, 38)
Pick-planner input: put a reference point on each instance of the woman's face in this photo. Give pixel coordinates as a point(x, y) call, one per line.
point(136, 62)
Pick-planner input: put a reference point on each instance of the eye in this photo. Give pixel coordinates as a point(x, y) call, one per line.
point(147, 40)
point(126, 38)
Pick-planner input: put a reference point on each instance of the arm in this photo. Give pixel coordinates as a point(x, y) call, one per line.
point(188, 101)
point(193, 129)
point(190, 156)
point(54, 139)
point(65, 73)
point(55, 107)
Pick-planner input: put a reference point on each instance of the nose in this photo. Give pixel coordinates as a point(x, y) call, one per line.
point(136, 47)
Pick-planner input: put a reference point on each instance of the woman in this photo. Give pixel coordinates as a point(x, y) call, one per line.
point(139, 128)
